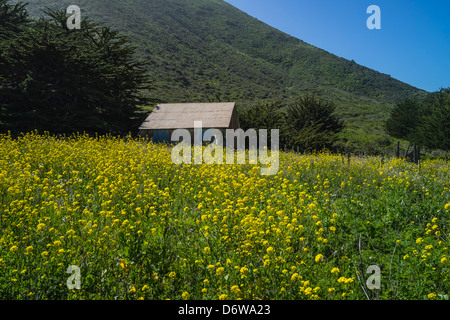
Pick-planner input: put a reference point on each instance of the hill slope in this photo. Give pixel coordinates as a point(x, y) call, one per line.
point(206, 50)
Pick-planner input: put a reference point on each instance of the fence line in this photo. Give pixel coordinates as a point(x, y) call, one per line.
point(413, 156)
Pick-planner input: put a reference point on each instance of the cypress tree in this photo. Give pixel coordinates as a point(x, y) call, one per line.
point(63, 81)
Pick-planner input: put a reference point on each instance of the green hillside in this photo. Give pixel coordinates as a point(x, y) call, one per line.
point(208, 50)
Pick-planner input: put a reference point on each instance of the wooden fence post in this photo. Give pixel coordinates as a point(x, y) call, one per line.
point(418, 155)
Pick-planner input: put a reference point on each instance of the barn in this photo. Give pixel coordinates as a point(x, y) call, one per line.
point(166, 118)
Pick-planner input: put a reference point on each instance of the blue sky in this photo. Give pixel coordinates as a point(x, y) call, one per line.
point(413, 44)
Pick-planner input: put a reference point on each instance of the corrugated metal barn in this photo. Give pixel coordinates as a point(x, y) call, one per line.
point(166, 118)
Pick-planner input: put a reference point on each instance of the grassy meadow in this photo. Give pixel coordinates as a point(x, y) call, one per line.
point(140, 227)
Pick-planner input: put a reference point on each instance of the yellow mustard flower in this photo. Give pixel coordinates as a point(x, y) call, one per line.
point(235, 289)
point(431, 296)
point(335, 270)
point(219, 271)
point(185, 295)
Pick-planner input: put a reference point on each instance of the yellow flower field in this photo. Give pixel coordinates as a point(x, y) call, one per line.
point(140, 227)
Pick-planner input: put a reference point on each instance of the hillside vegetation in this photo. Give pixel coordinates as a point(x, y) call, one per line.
point(208, 50)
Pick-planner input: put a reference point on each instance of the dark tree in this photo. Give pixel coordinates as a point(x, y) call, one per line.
point(312, 124)
point(404, 120)
point(433, 130)
point(266, 115)
point(12, 17)
point(14, 21)
point(63, 81)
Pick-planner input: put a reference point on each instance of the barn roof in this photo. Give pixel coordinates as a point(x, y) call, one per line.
point(183, 115)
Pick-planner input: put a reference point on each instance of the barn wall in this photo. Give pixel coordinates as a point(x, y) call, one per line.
point(234, 123)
